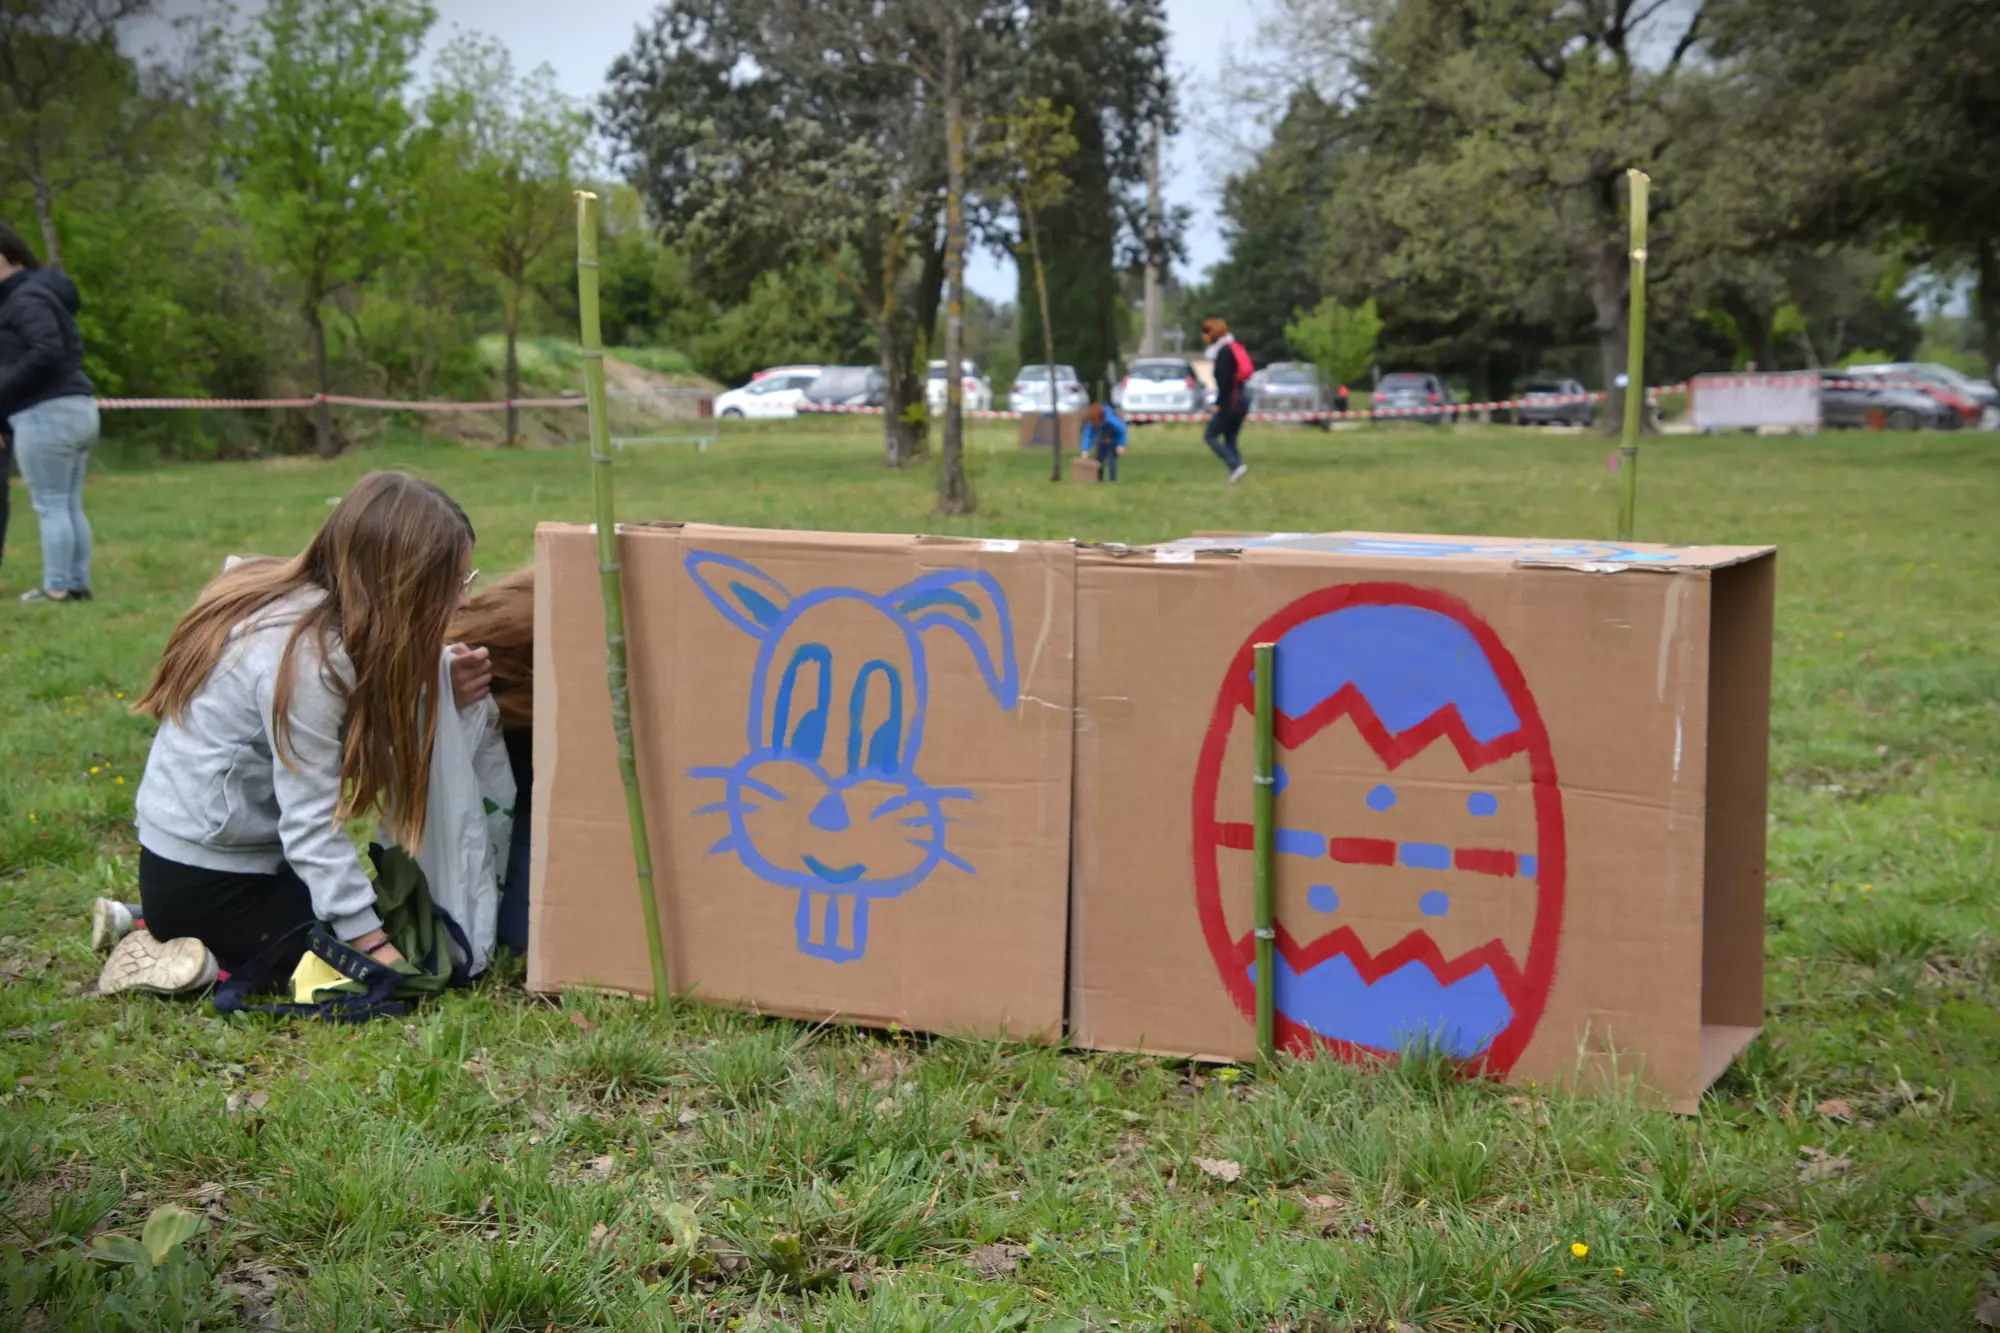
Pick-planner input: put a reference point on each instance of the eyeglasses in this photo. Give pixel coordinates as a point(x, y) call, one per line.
point(470, 579)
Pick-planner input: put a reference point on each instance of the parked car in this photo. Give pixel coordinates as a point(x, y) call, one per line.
point(1974, 397)
point(1846, 397)
point(1157, 384)
point(772, 395)
point(1287, 386)
point(768, 371)
point(978, 391)
point(1554, 402)
point(845, 386)
point(1404, 397)
point(1031, 390)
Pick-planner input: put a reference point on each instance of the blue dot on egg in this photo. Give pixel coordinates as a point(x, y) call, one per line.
point(1434, 903)
point(1322, 898)
point(1280, 779)
point(1483, 803)
point(1382, 798)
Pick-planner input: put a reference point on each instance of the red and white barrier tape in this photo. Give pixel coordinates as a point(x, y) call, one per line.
point(1352, 414)
point(385, 404)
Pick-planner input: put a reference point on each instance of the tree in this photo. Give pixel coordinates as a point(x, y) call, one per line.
point(1480, 149)
point(67, 99)
point(1904, 95)
point(1104, 62)
point(1339, 341)
point(1026, 155)
point(523, 148)
point(764, 133)
point(325, 147)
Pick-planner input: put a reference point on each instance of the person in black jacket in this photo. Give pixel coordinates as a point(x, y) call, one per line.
point(1232, 395)
point(50, 411)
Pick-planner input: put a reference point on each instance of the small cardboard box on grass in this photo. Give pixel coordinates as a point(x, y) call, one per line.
point(1519, 813)
point(855, 754)
point(1040, 429)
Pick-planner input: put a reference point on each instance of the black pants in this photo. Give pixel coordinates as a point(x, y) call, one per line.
point(1220, 436)
point(238, 916)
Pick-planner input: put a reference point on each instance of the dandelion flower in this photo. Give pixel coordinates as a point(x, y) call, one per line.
point(1579, 1249)
point(1620, 1270)
point(119, 695)
point(93, 770)
point(119, 781)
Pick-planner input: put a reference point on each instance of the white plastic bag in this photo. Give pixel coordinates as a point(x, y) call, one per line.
point(469, 822)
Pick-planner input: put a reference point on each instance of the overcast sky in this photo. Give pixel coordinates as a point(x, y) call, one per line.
point(581, 38)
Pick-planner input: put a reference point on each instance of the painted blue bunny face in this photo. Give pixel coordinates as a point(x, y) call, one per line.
point(826, 800)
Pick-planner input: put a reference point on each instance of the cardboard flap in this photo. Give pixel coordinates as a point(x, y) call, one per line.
point(1589, 556)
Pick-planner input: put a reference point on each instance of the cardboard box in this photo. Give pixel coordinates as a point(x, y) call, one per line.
point(1083, 468)
point(1039, 429)
point(856, 756)
point(1520, 811)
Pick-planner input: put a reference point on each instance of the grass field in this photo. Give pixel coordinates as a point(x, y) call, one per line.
point(497, 1162)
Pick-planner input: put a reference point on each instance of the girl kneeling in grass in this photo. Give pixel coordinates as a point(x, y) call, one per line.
point(292, 697)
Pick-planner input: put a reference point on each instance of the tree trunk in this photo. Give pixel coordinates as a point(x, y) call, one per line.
point(1986, 300)
point(1048, 346)
point(322, 414)
point(513, 360)
point(45, 215)
point(954, 491)
point(894, 446)
point(1609, 286)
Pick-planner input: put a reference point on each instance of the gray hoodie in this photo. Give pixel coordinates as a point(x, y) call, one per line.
point(215, 796)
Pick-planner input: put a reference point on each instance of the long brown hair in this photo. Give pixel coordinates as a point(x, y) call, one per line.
point(388, 559)
point(501, 619)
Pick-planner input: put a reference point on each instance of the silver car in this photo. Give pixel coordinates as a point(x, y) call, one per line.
point(1287, 386)
point(1413, 397)
point(1031, 390)
point(1157, 384)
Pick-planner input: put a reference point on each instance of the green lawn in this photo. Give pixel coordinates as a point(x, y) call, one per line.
point(497, 1162)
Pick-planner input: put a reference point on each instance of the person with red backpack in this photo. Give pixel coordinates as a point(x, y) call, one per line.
point(1232, 395)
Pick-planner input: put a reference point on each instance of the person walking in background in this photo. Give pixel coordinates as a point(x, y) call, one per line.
point(49, 408)
point(1103, 439)
point(1232, 397)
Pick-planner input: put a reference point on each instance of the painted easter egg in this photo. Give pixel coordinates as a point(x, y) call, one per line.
point(1431, 834)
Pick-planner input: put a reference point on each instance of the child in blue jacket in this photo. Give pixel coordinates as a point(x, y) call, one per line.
point(1103, 439)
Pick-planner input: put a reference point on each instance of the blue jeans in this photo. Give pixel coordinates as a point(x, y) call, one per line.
point(1107, 464)
point(1220, 437)
point(52, 441)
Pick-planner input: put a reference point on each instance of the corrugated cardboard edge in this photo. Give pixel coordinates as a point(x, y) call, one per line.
point(1725, 557)
point(1743, 604)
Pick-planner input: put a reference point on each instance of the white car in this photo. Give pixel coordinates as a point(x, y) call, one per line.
point(1031, 390)
point(1157, 384)
point(773, 396)
point(978, 393)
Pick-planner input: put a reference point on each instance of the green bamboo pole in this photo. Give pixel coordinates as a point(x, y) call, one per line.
point(1635, 364)
point(613, 589)
point(1261, 793)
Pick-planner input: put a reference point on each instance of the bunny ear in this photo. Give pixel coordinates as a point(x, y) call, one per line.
point(970, 604)
point(752, 600)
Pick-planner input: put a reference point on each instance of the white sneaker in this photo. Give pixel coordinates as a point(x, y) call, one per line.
point(1242, 471)
point(170, 967)
point(110, 922)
